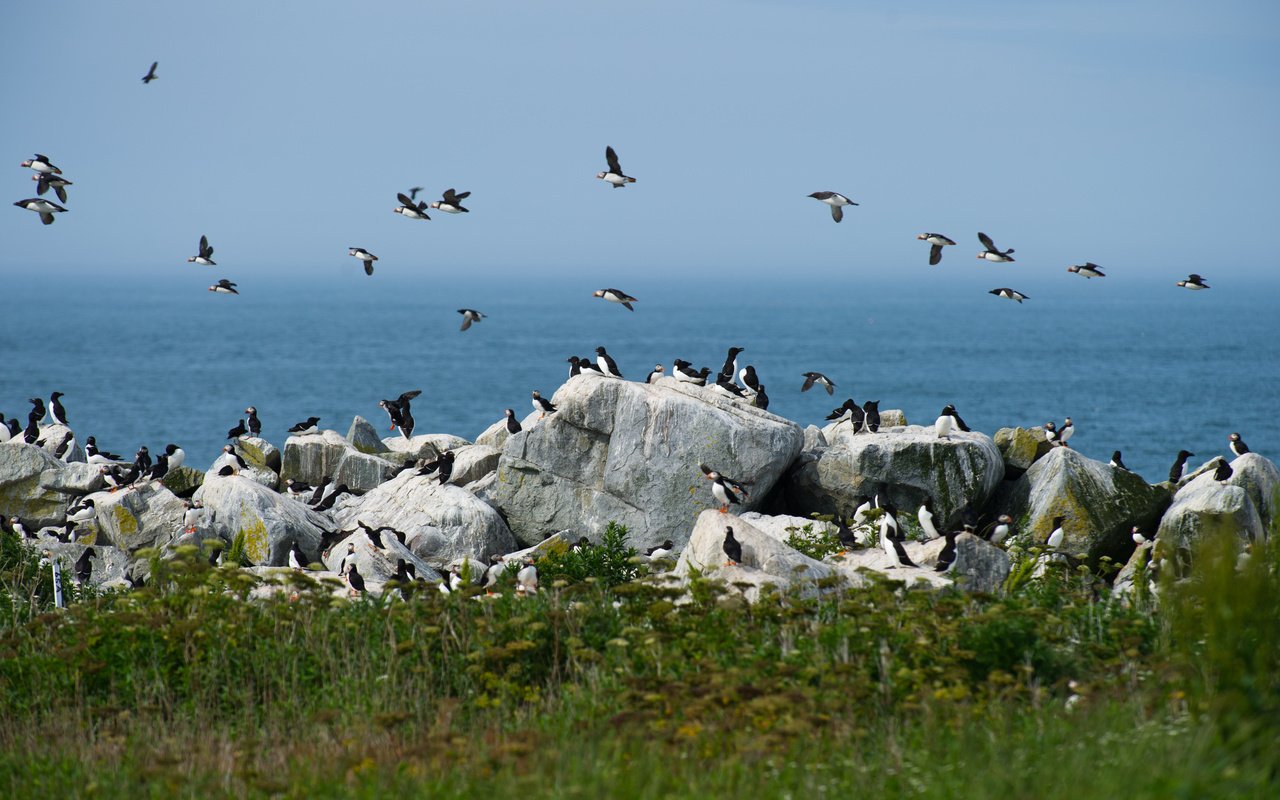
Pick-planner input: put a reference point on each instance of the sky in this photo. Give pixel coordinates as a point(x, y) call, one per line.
point(1138, 135)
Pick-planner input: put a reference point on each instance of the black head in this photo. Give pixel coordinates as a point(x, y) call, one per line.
point(573, 360)
point(733, 351)
point(1235, 437)
point(55, 395)
point(1183, 455)
point(600, 351)
point(1057, 522)
point(170, 449)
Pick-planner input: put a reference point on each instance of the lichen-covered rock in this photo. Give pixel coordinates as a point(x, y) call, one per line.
point(1205, 507)
point(912, 463)
point(364, 437)
point(270, 522)
point(183, 481)
point(473, 462)
point(362, 472)
point(441, 522)
point(144, 515)
point(259, 453)
point(51, 437)
point(24, 488)
point(312, 459)
point(1261, 481)
point(1101, 504)
point(427, 446)
point(1020, 447)
point(619, 451)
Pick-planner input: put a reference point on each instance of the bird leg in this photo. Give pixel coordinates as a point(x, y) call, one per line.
point(724, 509)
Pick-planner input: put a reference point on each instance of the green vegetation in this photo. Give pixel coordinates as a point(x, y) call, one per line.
point(605, 685)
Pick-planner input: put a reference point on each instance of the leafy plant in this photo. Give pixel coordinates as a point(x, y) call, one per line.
point(816, 544)
point(612, 562)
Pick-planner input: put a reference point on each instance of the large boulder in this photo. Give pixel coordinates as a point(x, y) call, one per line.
point(73, 480)
point(1020, 448)
point(629, 452)
point(143, 515)
point(313, 458)
point(51, 437)
point(1205, 507)
point(259, 453)
point(765, 560)
point(890, 418)
point(374, 565)
point(107, 565)
point(496, 435)
point(442, 523)
point(1261, 481)
point(270, 522)
point(183, 481)
point(1101, 504)
point(254, 472)
point(911, 462)
point(472, 462)
point(361, 472)
point(364, 437)
point(428, 446)
point(27, 474)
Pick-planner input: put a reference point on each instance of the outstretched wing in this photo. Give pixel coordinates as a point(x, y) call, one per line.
point(612, 158)
point(986, 242)
point(935, 255)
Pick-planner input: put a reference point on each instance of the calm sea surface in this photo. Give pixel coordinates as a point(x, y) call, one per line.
point(1140, 365)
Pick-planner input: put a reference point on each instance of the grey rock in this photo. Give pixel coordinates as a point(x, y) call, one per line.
point(73, 479)
point(912, 462)
point(270, 522)
point(1138, 562)
point(427, 446)
point(1205, 507)
point(364, 437)
point(889, 418)
point(52, 436)
point(143, 515)
point(26, 474)
point(496, 434)
point(313, 458)
point(1261, 481)
point(257, 473)
point(783, 526)
point(473, 462)
point(765, 560)
point(259, 453)
point(107, 565)
point(1101, 504)
point(361, 472)
point(1020, 448)
point(183, 481)
point(376, 566)
point(979, 566)
point(629, 452)
point(814, 439)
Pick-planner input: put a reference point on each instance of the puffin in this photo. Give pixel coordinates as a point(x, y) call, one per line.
point(613, 176)
point(722, 489)
point(1067, 430)
point(732, 548)
point(1193, 281)
point(451, 202)
point(1051, 432)
point(657, 372)
point(45, 208)
point(1009, 294)
point(46, 180)
point(513, 424)
point(224, 286)
point(399, 412)
point(991, 252)
point(837, 202)
point(1087, 269)
point(410, 209)
point(204, 255)
point(1138, 537)
point(355, 579)
point(252, 421)
point(1223, 472)
point(364, 256)
point(469, 315)
point(616, 296)
point(936, 241)
point(1237, 445)
point(1002, 529)
point(810, 378)
point(151, 73)
point(41, 163)
point(542, 405)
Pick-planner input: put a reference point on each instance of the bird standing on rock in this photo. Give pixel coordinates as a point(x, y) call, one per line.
point(607, 365)
point(1179, 467)
point(542, 405)
point(732, 548)
point(1238, 447)
point(1223, 472)
point(722, 488)
point(513, 424)
point(1118, 462)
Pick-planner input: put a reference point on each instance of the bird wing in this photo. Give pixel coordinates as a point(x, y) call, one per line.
point(809, 379)
point(612, 158)
point(42, 184)
point(407, 396)
point(463, 195)
point(1194, 278)
point(466, 322)
point(405, 200)
point(935, 255)
point(986, 242)
point(204, 244)
point(450, 197)
point(837, 213)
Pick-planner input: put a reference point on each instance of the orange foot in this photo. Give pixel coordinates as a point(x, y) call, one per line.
point(724, 510)
point(731, 563)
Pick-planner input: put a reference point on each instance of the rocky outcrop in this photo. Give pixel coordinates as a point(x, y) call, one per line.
point(259, 453)
point(107, 565)
point(52, 435)
point(441, 522)
point(629, 452)
point(1020, 448)
point(1205, 507)
point(890, 418)
point(270, 522)
point(374, 565)
point(314, 458)
point(472, 462)
point(765, 560)
point(251, 470)
point(1261, 482)
point(1101, 504)
point(364, 437)
point(26, 476)
point(144, 515)
point(496, 434)
point(427, 446)
point(911, 462)
point(183, 481)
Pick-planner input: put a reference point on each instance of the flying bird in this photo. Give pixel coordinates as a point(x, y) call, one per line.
point(616, 296)
point(45, 208)
point(410, 209)
point(41, 163)
point(991, 252)
point(469, 315)
point(45, 180)
point(151, 73)
point(452, 202)
point(224, 286)
point(365, 256)
point(937, 241)
point(205, 255)
point(1009, 294)
point(810, 378)
point(1087, 269)
point(614, 176)
point(836, 201)
point(1193, 281)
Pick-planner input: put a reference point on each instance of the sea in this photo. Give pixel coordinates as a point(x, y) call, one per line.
point(1139, 365)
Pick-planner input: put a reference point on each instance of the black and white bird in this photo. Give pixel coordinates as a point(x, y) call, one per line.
point(1009, 294)
point(46, 180)
point(1118, 462)
point(332, 497)
point(1179, 467)
point(232, 459)
point(660, 550)
point(204, 256)
point(925, 516)
point(224, 286)
point(722, 489)
point(890, 539)
point(6, 429)
point(142, 460)
point(992, 253)
point(66, 447)
point(45, 208)
point(307, 426)
point(1051, 432)
point(1237, 445)
point(685, 373)
point(948, 421)
point(1056, 535)
point(810, 378)
point(86, 512)
point(837, 202)
point(851, 412)
point(1065, 433)
point(542, 405)
point(657, 372)
point(947, 556)
point(400, 413)
point(936, 241)
point(732, 548)
point(159, 469)
point(408, 208)
point(1003, 529)
point(762, 399)
point(731, 361)
point(151, 73)
point(32, 432)
point(252, 422)
point(616, 296)
point(238, 431)
point(84, 565)
point(1087, 269)
point(364, 256)
point(871, 415)
point(193, 517)
point(443, 467)
point(451, 202)
point(1193, 281)
point(608, 367)
point(513, 424)
point(1139, 538)
point(297, 560)
point(1223, 472)
point(748, 379)
point(41, 163)
point(56, 412)
point(469, 315)
point(38, 410)
point(355, 579)
point(296, 488)
point(614, 176)
point(20, 529)
point(724, 383)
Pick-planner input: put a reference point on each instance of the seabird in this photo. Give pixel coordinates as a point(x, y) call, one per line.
point(1004, 526)
point(850, 410)
point(762, 399)
point(355, 579)
point(726, 385)
point(151, 73)
point(542, 404)
point(945, 422)
point(452, 202)
point(44, 180)
point(413, 193)
point(142, 459)
point(684, 372)
point(613, 175)
point(328, 502)
point(1237, 445)
point(296, 488)
point(374, 534)
point(442, 466)
point(66, 447)
point(513, 424)
point(252, 421)
point(411, 209)
point(847, 538)
point(85, 513)
point(749, 380)
point(810, 378)
point(1179, 467)
point(192, 517)
point(1009, 294)
point(45, 208)
point(871, 415)
point(1087, 269)
point(204, 256)
point(732, 548)
point(575, 366)
point(731, 361)
point(1193, 281)
point(41, 163)
point(469, 315)
point(1051, 432)
point(722, 489)
point(233, 458)
point(84, 568)
point(925, 516)
point(607, 365)
point(889, 537)
point(655, 374)
point(37, 408)
point(20, 528)
point(1138, 537)
point(527, 579)
point(836, 201)
point(238, 431)
point(660, 550)
point(616, 296)
point(32, 432)
point(159, 469)
point(296, 558)
point(56, 412)
point(1118, 462)
point(224, 286)
point(1067, 430)
point(307, 426)
point(991, 252)
point(399, 412)
point(937, 242)
point(1223, 472)
point(1055, 537)
point(947, 557)
point(365, 256)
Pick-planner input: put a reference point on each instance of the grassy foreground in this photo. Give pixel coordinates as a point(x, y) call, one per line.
point(603, 687)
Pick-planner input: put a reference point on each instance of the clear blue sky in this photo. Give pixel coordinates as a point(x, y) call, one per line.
point(1140, 135)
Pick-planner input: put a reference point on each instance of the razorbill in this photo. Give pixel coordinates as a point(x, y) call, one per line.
point(469, 315)
point(224, 286)
point(607, 365)
point(45, 180)
point(1056, 535)
point(296, 558)
point(613, 176)
point(1223, 472)
point(660, 550)
point(513, 424)
point(410, 209)
point(1087, 269)
point(159, 469)
point(731, 361)
point(204, 256)
point(937, 241)
point(762, 399)
point(657, 372)
point(238, 431)
point(850, 411)
point(151, 73)
point(732, 548)
point(84, 569)
point(1237, 445)
point(305, 427)
point(1118, 462)
point(685, 373)
point(947, 557)
point(871, 415)
point(452, 202)
point(946, 422)
point(45, 208)
point(1193, 281)
point(399, 412)
point(726, 386)
point(836, 201)
point(332, 497)
point(1179, 467)
point(37, 409)
point(749, 380)
point(991, 252)
point(252, 421)
point(85, 513)
point(56, 412)
point(925, 516)
point(542, 405)
point(575, 366)
point(1009, 294)
point(32, 432)
point(810, 378)
point(616, 296)
point(365, 256)
point(41, 163)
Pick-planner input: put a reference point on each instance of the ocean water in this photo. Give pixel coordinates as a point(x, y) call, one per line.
point(152, 358)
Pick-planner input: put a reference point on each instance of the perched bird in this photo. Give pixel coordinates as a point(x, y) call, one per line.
point(1051, 432)
point(238, 431)
point(469, 315)
point(889, 538)
point(7, 432)
point(297, 560)
point(46, 180)
point(84, 566)
point(1009, 294)
point(925, 516)
point(1223, 472)
point(1179, 467)
point(1138, 537)
point(810, 378)
point(762, 399)
point(1002, 530)
point(252, 421)
point(364, 256)
point(20, 529)
point(936, 241)
point(296, 488)
point(947, 556)
point(452, 202)
point(542, 405)
point(32, 432)
point(224, 286)
point(871, 415)
point(355, 580)
point(41, 163)
point(1056, 535)
point(513, 424)
point(399, 412)
point(992, 253)
point(731, 361)
point(232, 458)
point(527, 579)
point(87, 512)
point(1118, 462)
point(738, 486)
point(748, 379)
point(847, 538)
point(613, 176)
point(37, 409)
point(575, 366)
point(45, 208)
point(1193, 281)
point(948, 421)
point(1067, 430)
point(1237, 445)
point(56, 412)
point(332, 497)
point(837, 202)
point(732, 548)
point(721, 489)
point(374, 534)
point(151, 73)
point(1087, 269)
point(726, 385)
point(607, 365)
point(192, 517)
point(410, 209)
point(660, 550)
point(685, 373)
point(444, 467)
point(305, 427)
point(655, 374)
point(616, 296)
point(204, 255)
point(159, 469)
point(850, 410)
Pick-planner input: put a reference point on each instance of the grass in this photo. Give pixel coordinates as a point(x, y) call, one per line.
point(609, 686)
